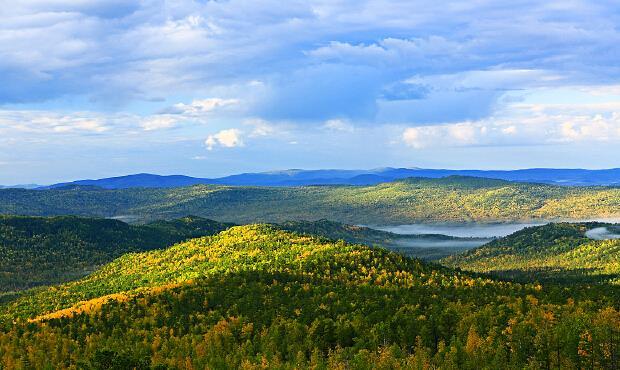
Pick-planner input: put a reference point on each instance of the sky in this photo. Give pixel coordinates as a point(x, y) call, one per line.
point(98, 88)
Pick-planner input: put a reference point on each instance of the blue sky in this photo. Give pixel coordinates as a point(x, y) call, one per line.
point(100, 88)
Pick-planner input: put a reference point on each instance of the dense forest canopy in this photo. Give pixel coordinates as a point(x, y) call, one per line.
point(454, 199)
point(258, 297)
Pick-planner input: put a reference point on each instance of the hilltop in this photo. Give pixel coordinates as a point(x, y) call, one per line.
point(453, 199)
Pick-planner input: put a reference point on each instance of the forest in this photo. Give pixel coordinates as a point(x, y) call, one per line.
point(453, 199)
point(257, 296)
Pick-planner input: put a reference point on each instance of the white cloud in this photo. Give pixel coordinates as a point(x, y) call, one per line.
point(510, 130)
point(158, 122)
point(201, 106)
point(260, 127)
point(46, 122)
point(543, 127)
point(459, 134)
point(338, 125)
point(228, 138)
point(234, 137)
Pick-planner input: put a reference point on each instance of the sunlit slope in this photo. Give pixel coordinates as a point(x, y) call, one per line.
point(554, 252)
point(403, 201)
point(258, 297)
point(47, 250)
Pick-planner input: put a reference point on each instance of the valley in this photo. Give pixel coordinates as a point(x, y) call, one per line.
point(451, 279)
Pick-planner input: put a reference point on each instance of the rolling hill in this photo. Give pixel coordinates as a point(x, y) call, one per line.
point(47, 250)
point(554, 253)
point(452, 199)
point(258, 297)
point(41, 251)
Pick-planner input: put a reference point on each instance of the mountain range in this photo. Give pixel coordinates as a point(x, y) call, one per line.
point(297, 177)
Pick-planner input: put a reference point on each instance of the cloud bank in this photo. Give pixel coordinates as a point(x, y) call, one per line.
point(346, 81)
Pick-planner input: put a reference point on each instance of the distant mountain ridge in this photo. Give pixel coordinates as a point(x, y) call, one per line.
point(297, 177)
point(21, 186)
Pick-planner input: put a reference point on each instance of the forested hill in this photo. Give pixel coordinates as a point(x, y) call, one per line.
point(258, 297)
point(555, 252)
point(403, 201)
point(37, 250)
point(46, 250)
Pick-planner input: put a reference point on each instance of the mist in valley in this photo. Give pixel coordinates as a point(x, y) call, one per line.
point(464, 230)
point(604, 233)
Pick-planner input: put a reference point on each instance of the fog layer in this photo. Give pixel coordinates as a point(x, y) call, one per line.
point(603, 233)
point(469, 230)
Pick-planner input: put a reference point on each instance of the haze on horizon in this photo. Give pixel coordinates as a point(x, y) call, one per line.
point(99, 88)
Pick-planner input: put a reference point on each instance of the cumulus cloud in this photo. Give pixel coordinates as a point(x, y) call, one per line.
point(46, 122)
point(158, 122)
point(200, 106)
point(229, 138)
point(260, 127)
point(536, 124)
point(254, 129)
point(338, 125)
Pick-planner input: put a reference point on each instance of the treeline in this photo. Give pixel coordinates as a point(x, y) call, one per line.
point(399, 202)
point(257, 297)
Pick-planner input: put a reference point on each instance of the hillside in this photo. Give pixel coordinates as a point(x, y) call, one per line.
point(40, 251)
point(555, 252)
point(258, 297)
point(452, 199)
